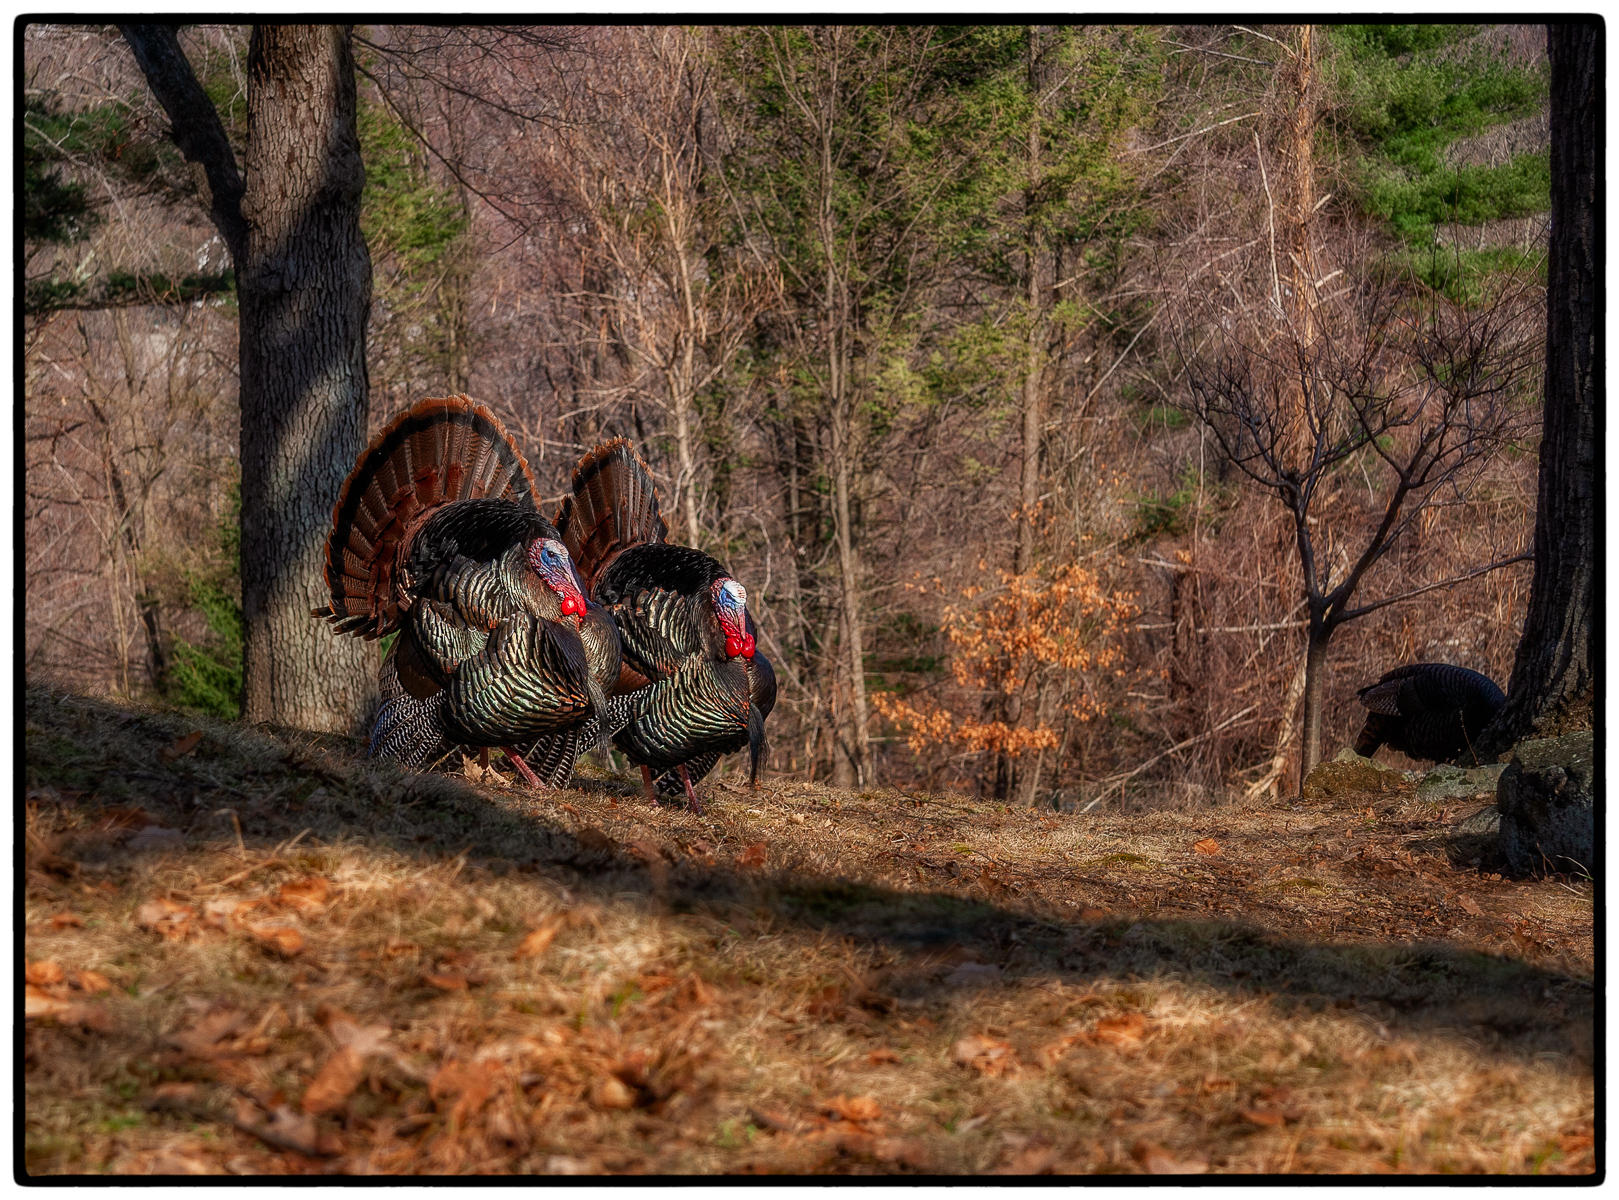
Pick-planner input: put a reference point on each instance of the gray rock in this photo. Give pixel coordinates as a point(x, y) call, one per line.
point(1547, 804)
point(1486, 822)
point(1446, 782)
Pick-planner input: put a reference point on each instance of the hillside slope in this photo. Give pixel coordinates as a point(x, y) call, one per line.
point(254, 953)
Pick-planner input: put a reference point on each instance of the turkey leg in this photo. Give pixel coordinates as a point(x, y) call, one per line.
point(524, 769)
point(691, 796)
point(646, 785)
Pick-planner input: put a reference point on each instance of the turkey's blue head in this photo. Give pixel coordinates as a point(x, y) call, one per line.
point(552, 563)
point(731, 606)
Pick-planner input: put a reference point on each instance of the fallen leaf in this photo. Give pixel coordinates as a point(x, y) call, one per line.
point(41, 1005)
point(335, 1082)
point(91, 982)
point(165, 917)
point(44, 974)
point(181, 746)
point(1051, 1052)
point(1037, 1158)
point(853, 1108)
point(611, 1092)
point(447, 982)
point(37, 1003)
point(224, 911)
point(986, 1055)
point(1470, 905)
point(753, 857)
point(398, 949)
point(561, 1164)
point(1123, 1031)
point(766, 1118)
point(1156, 1160)
point(1207, 846)
point(468, 1084)
point(66, 920)
point(307, 896)
point(173, 1094)
point(538, 940)
point(1575, 1143)
point(289, 1130)
point(696, 993)
point(282, 940)
point(1268, 1117)
point(652, 855)
point(882, 1055)
point(202, 1039)
point(1093, 914)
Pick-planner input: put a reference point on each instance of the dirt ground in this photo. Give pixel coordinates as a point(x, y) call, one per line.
point(254, 953)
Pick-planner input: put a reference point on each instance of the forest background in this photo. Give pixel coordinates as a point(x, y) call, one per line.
point(943, 339)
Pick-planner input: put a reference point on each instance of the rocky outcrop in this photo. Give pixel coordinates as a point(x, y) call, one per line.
point(1547, 803)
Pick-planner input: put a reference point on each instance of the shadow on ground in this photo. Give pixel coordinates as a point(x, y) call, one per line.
point(279, 786)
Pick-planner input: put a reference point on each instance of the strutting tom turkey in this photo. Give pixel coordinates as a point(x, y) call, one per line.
point(689, 642)
point(1428, 710)
point(436, 536)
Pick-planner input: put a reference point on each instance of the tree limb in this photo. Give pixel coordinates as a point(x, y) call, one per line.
point(1351, 613)
point(197, 130)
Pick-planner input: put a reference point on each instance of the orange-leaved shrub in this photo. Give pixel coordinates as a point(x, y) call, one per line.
point(1026, 655)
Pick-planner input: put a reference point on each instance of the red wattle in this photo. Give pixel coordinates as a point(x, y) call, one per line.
point(747, 646)
point(573, 606)
point(734, 645)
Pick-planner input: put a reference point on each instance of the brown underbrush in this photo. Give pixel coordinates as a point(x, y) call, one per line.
point(251, 952)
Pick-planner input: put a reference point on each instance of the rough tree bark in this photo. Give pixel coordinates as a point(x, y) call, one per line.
point(1554, 673)
point(291, 220)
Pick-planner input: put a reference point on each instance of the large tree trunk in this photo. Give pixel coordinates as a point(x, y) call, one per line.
point(303, 281)
point(305, 291)
point(1553, 676)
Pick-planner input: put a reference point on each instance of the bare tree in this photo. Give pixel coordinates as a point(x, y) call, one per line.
point(1423, 393)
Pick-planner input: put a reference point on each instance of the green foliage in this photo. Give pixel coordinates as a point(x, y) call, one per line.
point(1171, 513)
point(207, 676)
point(1413, 205)
point(1403, 95)
point(404, 214)
point(415, 230)
point(1463, 276)
point(57, 210)
point(62, 150)
point(1161, 416)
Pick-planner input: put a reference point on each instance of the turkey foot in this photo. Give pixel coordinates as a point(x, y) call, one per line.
point(524, 769)
point(646, 785)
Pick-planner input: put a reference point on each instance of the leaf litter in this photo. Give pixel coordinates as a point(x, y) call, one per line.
point(629, 991)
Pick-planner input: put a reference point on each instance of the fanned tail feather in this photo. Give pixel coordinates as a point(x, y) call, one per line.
point(614, 506)
point(436, 451)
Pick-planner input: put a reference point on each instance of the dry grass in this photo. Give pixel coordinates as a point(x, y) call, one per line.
point(300, 963)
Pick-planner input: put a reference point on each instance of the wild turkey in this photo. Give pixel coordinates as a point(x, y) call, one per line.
point(436, 535)
point(1428, 710)
point(689, 642)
